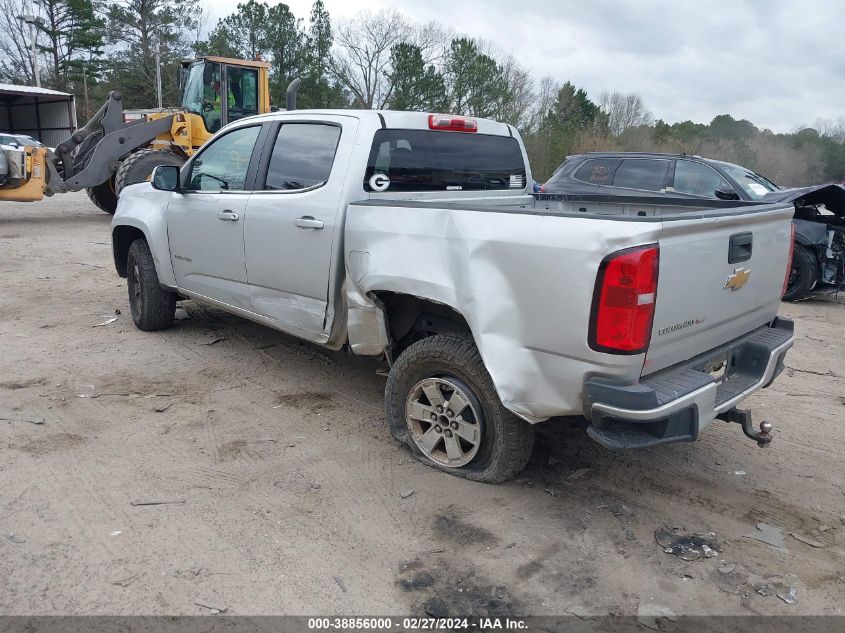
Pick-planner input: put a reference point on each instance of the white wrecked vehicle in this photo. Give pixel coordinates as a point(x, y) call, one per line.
point(415, 237)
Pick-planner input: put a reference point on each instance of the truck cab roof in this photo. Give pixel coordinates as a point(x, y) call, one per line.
point(394, 119)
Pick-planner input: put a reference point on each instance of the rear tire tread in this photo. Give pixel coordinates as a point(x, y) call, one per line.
point(457, 352)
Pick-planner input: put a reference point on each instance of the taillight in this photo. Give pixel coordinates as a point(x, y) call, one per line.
point(451, 123)
point(789, 261)
point(623, 302)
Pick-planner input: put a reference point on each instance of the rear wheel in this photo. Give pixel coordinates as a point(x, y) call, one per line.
point(104, 196)
point(441, 402)
point(804, 274)
point(152, 307)
point(138, 166)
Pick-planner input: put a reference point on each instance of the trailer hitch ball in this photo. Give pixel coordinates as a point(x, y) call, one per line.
point(765, 434)
point(743, 418)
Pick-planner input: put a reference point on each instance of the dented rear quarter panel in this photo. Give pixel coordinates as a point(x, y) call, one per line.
point(523, 282)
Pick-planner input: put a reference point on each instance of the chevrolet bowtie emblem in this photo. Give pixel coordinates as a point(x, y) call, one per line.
point(738, 279)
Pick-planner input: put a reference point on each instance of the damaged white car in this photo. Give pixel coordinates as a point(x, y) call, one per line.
point(415, 236)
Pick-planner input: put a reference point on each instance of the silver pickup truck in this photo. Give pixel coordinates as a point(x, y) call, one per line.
point(415, 237)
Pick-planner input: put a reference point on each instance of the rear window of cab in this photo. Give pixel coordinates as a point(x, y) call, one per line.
point(428, 160)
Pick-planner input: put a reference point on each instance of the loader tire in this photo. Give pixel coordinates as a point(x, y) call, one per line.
point(104, 196)
point(139, 165)
point(152, 307)
point(441, 402)
point(804, 274)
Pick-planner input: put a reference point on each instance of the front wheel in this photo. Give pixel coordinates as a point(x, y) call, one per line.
point(152, 307)
point(441, 401)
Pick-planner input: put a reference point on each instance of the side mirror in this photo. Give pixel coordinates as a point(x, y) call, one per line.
point(166, 178)
point(725, 192)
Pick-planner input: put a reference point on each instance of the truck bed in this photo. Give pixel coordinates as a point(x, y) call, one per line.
point(523, 273)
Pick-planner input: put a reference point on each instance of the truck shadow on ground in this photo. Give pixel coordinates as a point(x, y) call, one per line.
point(566, 464)
point(562, 448)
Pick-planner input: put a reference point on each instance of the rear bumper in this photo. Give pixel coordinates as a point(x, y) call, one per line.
point(674, 404)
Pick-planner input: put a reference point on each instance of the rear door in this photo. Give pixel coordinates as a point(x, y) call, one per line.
point(720, 277)
point(594, 174)
point(291, 221)
point(642, 175)
point(205, 222)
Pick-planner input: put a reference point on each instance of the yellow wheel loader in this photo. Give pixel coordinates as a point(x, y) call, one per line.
point(109, 153)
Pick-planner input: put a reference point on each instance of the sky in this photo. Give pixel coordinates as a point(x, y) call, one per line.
point(777, 63)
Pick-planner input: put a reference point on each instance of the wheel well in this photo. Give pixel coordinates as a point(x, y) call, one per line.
point(411, 318)
point(121, 240)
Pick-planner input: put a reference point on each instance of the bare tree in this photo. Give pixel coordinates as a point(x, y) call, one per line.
point(625, 111)
point(537, 140)
point(203, 16)
point(831, 129)
point(516, 103)
point(15, 43)
point(517, 100)
point(544, 100)
point(362, 60)
point(432, 38)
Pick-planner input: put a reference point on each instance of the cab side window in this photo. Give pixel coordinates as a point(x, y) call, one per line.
point(697, 179)
point(302, 157)
point(223, 165)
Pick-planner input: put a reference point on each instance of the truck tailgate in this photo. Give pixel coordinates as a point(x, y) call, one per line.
point(720, 277)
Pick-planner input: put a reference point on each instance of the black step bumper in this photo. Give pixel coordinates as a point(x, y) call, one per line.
point(674, 404)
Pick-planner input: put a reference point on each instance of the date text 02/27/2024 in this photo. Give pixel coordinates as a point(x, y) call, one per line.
point(416, 624)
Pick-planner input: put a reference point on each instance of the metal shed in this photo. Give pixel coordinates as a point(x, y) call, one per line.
point(47, 115)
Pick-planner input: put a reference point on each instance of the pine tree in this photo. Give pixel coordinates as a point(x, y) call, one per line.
point(74, 34)
point(415, 85)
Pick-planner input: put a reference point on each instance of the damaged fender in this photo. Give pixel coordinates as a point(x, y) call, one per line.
point(523, 284)
point(365, 322)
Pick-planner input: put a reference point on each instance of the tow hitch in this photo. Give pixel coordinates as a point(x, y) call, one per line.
point(743, 417)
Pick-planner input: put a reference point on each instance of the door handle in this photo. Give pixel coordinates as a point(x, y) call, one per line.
point(228, 216)
point(308, 222)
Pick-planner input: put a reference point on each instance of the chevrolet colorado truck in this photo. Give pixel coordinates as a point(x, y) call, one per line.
point(415, 237)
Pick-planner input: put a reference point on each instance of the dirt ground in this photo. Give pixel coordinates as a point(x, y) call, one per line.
point(285, 493)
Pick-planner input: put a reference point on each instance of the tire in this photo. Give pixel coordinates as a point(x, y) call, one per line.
point(139, 165)
point(804, 274)
point(451, 364)
point(104, 196)
point(152, 307)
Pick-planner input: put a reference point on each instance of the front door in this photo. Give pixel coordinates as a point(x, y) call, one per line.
point(291, 221)
point(205, 222)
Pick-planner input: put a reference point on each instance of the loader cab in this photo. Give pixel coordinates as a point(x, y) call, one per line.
point(222, 90)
